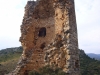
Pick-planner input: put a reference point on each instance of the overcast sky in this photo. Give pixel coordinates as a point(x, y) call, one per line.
point(87, 15)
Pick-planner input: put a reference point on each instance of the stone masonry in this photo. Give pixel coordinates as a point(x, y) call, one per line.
point(49, 36)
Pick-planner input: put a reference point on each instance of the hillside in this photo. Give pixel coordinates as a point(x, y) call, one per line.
point(88, 65)
point(10, 56)
point(95, 56)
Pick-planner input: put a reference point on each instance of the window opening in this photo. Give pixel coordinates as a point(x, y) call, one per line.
point(42, 32)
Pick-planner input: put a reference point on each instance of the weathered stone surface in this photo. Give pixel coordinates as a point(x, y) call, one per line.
point(49, 36)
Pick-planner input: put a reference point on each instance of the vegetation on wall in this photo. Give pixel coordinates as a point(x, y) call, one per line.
point(48, 70)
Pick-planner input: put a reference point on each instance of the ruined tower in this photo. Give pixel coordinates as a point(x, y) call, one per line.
point(49, 36)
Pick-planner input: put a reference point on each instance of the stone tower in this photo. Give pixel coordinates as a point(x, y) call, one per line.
point(49, 36)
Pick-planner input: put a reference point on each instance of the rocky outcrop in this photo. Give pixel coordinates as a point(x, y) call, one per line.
point(49, 36)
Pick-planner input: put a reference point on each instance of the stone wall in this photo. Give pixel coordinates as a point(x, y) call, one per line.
point(49, 36)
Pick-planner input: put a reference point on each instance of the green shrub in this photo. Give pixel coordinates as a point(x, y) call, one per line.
point(48, 70)
point(33, 73)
